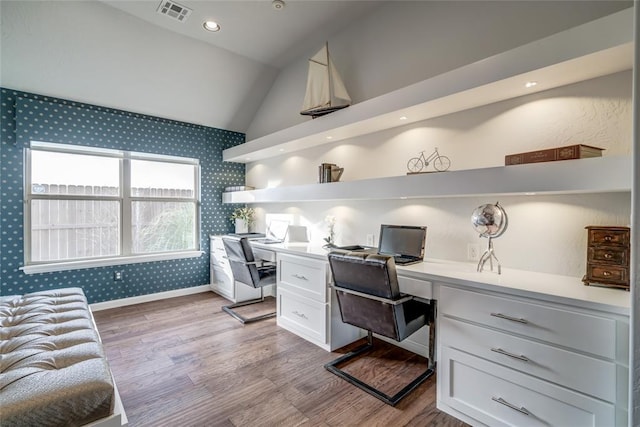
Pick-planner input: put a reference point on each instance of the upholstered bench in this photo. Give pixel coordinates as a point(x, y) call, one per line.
point(53, 370)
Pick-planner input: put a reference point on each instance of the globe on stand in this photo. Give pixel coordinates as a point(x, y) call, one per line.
point(489, 221)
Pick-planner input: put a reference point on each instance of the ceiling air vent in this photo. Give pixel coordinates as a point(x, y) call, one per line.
point(174, 10)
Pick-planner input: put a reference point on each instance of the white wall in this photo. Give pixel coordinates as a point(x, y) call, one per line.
point(401, 43)
point(546, 233)
point(87, 51)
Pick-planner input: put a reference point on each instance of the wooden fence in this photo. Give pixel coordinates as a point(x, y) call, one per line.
point(85, 228)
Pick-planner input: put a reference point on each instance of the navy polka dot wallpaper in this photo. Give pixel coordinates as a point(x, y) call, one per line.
point(25, 117)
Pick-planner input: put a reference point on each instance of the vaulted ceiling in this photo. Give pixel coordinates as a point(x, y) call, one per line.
point(270, 32)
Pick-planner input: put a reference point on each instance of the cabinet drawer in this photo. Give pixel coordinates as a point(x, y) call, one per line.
point(585, 332)
point(303, 316)
point(415, 287)
point(609, 255)
point(602, 236)
point(222, 282)
point(499, 396)
point(218, 253)
point(607, 273)
point(589, 375)
point(304, 277)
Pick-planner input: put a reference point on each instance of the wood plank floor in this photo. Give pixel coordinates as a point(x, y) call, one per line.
point(184, 362)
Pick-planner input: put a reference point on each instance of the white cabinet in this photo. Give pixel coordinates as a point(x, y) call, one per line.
point(306, 306)
point(222, 281)
point(504, 360)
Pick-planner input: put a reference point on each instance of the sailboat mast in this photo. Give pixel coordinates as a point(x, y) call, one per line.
point(331, 96)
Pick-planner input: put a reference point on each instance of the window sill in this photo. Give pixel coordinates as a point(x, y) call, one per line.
point(107, 262)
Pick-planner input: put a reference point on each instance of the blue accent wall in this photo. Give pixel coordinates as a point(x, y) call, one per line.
point(25, 117)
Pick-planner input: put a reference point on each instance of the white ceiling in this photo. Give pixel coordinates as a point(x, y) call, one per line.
point(255, 29)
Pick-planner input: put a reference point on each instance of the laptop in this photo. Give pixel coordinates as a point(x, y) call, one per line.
point(404, 242)
point(276, 232)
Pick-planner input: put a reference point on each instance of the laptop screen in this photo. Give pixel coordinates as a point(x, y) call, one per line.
point(277, 229)
point(405, 240)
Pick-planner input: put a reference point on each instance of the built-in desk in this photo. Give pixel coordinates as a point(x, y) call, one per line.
point(520, 348)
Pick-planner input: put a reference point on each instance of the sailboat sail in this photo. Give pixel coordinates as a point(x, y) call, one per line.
point(325, 90)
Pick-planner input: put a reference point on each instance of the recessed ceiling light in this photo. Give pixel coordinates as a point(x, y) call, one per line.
point(282, 149)
point(278, 4)
point(329, 137)
point(530, 84)
point(212, 26)
point(403, 118)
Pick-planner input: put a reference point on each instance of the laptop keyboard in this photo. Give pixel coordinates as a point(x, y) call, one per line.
point(404, 259)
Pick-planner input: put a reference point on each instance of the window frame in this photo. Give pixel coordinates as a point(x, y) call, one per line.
point(125, 199)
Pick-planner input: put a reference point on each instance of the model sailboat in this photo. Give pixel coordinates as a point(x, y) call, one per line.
point(325, 90)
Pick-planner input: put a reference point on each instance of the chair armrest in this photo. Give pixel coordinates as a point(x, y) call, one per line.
point(373, 297)
point(260, 262)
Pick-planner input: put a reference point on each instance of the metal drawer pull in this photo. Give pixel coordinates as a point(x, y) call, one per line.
point(297, 276)
point(608, 255)
point(608, 238)
point(506, 353)
point(513, 319)
point(509, 405)
point(301, 315)
point(606, 273)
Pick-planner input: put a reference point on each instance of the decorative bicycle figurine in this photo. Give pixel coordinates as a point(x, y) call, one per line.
point(440, 163)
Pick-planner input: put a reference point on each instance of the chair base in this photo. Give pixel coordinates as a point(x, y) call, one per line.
point(389, 400)
point(244, 320)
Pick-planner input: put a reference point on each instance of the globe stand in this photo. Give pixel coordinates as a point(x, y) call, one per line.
point(489, 255)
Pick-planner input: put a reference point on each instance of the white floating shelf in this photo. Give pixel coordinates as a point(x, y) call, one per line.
point(595, 175)
point(594, 49)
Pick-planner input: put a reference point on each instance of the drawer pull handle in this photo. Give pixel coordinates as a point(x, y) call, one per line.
point(506, 353)
point(606, 273)
point(513, 319)
point(297, 276)
point(608, 238)
point(300, 315)
point(501, 401)
point(608, 255)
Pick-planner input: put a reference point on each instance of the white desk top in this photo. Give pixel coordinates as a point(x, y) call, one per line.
point(541, 286)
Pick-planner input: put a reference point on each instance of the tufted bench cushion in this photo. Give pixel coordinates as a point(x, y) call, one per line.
point(53, 370)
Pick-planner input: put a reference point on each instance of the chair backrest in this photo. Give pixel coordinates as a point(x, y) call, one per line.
point(375, 276)
point(240, 255)
point(371, 274)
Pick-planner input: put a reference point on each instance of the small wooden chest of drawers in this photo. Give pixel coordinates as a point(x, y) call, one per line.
point(608, 256)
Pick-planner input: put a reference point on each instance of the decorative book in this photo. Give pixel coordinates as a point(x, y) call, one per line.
point(569, 152)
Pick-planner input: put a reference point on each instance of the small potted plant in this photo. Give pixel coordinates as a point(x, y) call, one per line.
point(242, 218)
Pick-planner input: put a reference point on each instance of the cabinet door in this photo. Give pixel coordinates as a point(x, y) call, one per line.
point(498, 396)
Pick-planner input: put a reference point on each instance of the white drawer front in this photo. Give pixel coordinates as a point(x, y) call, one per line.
point(419, 288)
point(589, 375)
point(218, 253)
point(499, 396)
point(305, 317)
point(304, 277)
point(222, 282)
point(592, 334)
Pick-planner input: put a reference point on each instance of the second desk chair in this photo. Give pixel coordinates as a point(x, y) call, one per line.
point(250, 272)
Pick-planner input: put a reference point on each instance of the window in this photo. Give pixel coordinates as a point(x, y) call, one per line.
point(88, 204)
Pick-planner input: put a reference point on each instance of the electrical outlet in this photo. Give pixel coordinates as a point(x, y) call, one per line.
point(117, 276)
point(473, 251)
point(371, 240)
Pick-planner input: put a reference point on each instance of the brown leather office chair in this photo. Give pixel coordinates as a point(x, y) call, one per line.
point(248, 271)
point(369, 297)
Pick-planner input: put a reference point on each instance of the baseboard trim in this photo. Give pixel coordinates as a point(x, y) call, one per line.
point(148, 298)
